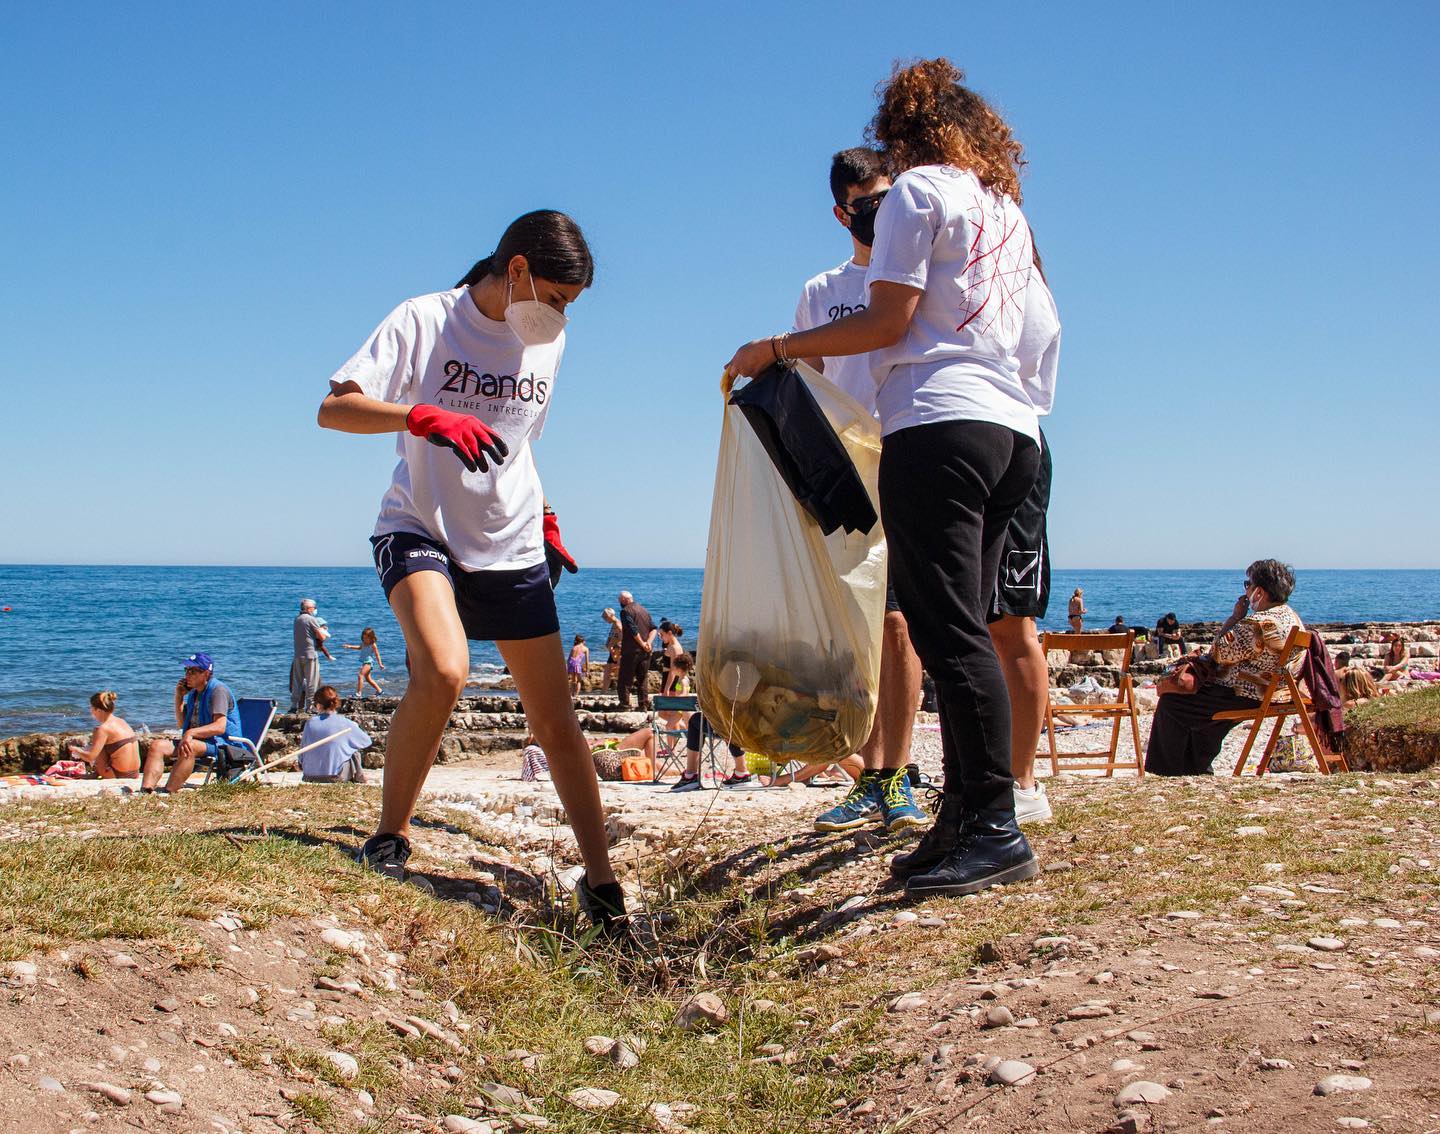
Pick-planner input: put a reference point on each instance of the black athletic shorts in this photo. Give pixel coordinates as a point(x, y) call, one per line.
point(493, 605)
point(1023, 588)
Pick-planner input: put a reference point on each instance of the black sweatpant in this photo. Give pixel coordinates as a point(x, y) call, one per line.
point(947, 492)
point(634, 670)
point(693, 740)
point(1184, 741)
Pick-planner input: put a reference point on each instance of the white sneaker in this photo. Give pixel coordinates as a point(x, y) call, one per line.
point(1032, 806)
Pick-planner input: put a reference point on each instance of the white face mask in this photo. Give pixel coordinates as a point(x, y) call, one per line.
point(533, 323)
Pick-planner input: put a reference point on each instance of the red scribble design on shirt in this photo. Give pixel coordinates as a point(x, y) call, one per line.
point(996, 272)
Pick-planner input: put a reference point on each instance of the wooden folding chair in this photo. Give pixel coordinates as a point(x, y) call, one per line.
point(1123, 706)
point(1290, 704)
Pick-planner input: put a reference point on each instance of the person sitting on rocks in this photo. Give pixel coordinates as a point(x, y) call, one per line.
point(338, 760)
point(113, 752)
point(533, 764)
point(1184, 739)
point(1167, 634)
point(1395, 664)
point(206, 712)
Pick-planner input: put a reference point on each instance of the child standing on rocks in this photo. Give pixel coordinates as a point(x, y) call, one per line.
point(371, 646)
point(578, 662)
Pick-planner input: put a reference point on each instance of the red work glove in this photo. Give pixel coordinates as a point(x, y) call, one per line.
point(459, 431)
point(556, 556)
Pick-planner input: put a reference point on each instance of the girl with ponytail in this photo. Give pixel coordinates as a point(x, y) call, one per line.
point(962, 338)
point(465, 379)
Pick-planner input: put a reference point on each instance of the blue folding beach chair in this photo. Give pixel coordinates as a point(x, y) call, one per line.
point(669, 746)
point(238, 754)
point(669, 753)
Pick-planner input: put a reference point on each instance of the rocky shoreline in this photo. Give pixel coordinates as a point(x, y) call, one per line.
point(495, 722)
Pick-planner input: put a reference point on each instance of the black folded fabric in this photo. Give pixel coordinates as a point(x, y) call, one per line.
point(805, 449)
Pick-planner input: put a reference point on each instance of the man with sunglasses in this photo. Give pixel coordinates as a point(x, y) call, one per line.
point(207, 714)
point(858, 184)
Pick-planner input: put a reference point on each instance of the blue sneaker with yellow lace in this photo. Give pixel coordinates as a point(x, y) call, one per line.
point(856, 809)
point(898, 810)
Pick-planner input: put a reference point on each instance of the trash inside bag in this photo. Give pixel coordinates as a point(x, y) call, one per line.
point(790, 623)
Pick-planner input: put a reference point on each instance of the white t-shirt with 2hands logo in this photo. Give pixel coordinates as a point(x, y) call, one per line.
point(970, 251)
point(441, 350)
point(833, 295)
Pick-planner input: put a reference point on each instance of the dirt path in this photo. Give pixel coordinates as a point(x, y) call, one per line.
point(1199, 954)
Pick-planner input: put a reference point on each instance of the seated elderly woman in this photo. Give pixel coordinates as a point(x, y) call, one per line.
point(1184, 740)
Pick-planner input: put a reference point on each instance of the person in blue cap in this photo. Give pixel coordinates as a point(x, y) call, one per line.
point(206, 712)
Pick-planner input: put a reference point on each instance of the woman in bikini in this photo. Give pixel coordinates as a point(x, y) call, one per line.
point(114, 750)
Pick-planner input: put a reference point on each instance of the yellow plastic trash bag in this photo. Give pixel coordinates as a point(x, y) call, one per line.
point(790, 622)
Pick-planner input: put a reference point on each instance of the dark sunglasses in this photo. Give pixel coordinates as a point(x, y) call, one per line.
point(865, 204)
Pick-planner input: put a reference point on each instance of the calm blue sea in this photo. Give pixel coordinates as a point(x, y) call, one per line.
point(73, 630)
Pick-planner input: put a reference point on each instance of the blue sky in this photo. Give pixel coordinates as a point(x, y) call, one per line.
point(204, 210)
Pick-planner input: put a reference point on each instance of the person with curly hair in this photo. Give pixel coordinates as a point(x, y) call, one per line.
point(952, 287)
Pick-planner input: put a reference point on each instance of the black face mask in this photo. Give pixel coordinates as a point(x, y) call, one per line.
point(862, 220)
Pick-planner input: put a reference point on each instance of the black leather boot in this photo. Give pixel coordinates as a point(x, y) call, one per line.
point(990, 851)
point(937, 842)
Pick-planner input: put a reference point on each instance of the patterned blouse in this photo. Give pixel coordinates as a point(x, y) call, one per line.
point(1249, 650)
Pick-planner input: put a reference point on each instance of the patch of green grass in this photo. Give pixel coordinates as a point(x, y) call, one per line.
point(1419, 709)
point(55, 890)
point(315, 1108)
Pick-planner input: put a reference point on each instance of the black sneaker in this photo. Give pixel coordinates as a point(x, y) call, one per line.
point(604, 905)
point(385, 854)
point(992, 851)
point(940, 838)
point(686, 782)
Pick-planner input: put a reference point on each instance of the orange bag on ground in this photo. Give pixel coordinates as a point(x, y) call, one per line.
point(635, 766)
